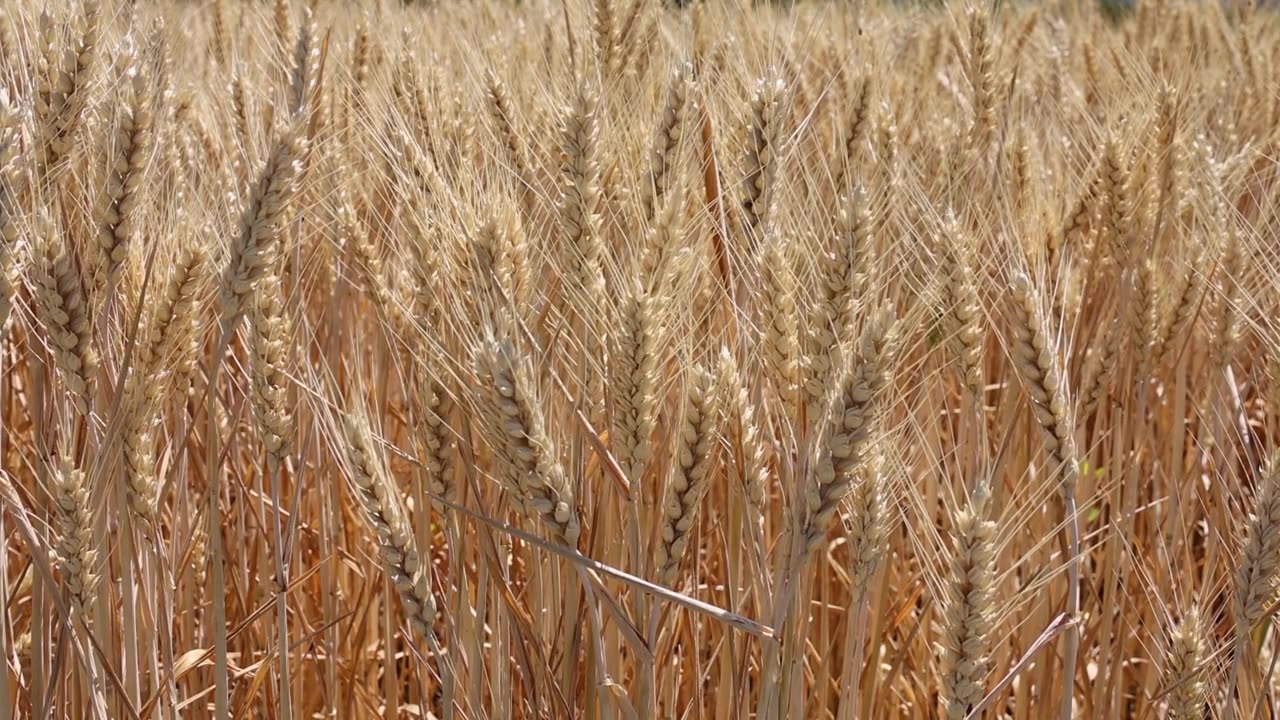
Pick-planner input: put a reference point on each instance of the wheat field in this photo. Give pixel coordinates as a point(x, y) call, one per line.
point(627, 359)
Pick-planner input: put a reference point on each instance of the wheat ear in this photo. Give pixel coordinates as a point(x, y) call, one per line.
point(667, 139)
point(528, 461)
point(580, 201)
point(963, 319)
point(695, 441)
point(73, 534)
point(131, 148)
point(859, 95)
point(498, 103)
point(1183, 669)
point(1035, 353)
point(750, 459)
point(10, 137)
point(64, 87)
point(399, 553)
point(1257, 571)
point(605, 35)
point(853, 415)
point(981, 80)
point(269, 360)
point(1227, 320)
point(843, 272)
point(261, 224)
point(1121, 208)
point(764, 137)
point(663, 251)
point(435, 432)
point(779, 318)
point(65, 312)
point(968, 610)
point(636, 379)
point(1187, 303)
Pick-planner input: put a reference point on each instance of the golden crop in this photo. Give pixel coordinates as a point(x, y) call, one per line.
point(619, 359)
